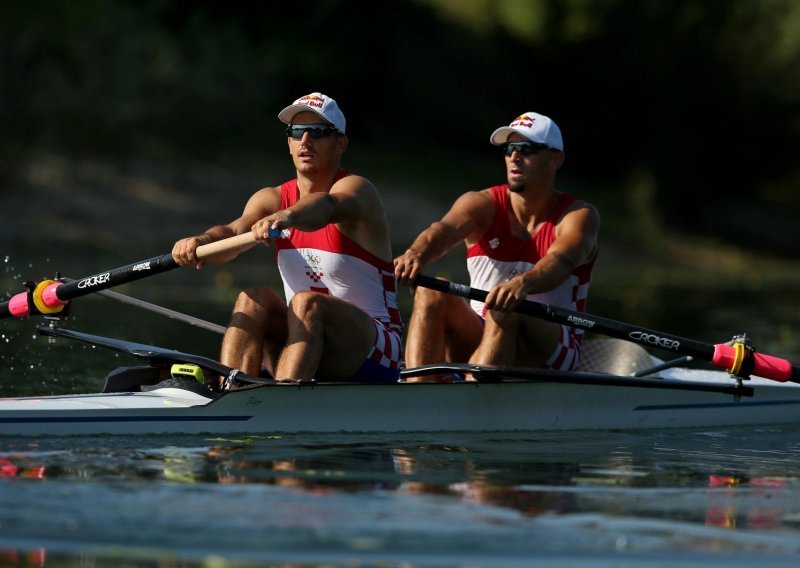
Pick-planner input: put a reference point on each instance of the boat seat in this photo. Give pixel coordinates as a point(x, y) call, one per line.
point(614, 356)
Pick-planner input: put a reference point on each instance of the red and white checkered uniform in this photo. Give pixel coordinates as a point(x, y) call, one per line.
point(329, 262)
point(499, 256)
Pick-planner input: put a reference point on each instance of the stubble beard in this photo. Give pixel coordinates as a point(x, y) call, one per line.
point(516, 187)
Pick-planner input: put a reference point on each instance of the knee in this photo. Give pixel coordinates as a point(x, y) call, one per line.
point(306, 305)
point(501, 322)
point(429, 301)
point(260, 300)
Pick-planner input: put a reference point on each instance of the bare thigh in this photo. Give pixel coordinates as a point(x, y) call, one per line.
point(463, 330)
point(348, 336)
point(536, 341)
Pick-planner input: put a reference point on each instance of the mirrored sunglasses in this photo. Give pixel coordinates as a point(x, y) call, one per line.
point(296, 131)
point(524, 148)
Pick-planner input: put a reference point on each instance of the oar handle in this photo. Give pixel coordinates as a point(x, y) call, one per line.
point(50, 296)
point(225, 245)
point(722, 356)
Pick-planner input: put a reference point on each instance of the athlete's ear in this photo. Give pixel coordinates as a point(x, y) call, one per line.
point(557, 159)
point(341, 144)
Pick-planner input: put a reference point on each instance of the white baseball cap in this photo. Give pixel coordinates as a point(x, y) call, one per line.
point(531, 126)
point(318, 103)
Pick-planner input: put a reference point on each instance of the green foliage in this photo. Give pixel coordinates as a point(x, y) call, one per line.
point(697, 96)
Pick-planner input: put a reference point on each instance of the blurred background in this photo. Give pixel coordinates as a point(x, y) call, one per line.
point(129, 124)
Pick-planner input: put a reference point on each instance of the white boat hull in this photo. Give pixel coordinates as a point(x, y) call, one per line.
point(429, 407)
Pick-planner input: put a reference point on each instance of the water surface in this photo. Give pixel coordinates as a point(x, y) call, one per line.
point(727, 496)
point(724, 497)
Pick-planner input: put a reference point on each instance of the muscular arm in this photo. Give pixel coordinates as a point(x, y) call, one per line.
point(260, 204)
point(468, 218)
point(352, 203)
point(575, 244)
point(347, 202)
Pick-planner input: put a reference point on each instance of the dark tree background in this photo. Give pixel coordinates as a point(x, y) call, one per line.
point(685, 110)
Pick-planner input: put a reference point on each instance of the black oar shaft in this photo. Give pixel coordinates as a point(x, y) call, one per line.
point(763, 365)
point(115, 277)
point(52, 295)
point(64, 292)
point(581, 320)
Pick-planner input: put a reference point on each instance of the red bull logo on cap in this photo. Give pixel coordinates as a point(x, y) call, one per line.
point(312, 100)
point(316, 102)
point(523, 120)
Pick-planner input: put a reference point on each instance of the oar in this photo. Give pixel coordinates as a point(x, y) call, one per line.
point(155, 308)
point(156, 354)
point(491, 374)
point(737, 359)
point(672, 363)
point(50, 296)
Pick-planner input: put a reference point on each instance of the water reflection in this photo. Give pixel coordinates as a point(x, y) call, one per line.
point(627, 489)
point(762, 507)
point(710, 483)
point(35, 558)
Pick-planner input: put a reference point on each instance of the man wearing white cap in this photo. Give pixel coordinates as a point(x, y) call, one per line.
point(332, 245)
point(525, 240)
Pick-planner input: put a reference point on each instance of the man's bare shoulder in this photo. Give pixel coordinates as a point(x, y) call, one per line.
point(266, 197)
point(263, 202)
point(471, 214)
point(268, 192)
point(584, 207)
point(579, 216)
point(362, 191)
point(353, 183)
point(478, 203)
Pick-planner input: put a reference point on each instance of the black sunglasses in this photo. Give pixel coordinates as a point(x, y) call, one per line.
point(296, 131)
point(524, 148)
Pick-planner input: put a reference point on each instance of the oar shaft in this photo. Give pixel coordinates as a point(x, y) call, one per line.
point(581, 320)
point(52, 295)
point(191, 320)
point(96, 282)
point(720, 355)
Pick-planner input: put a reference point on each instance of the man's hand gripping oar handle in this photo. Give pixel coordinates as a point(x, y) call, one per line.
point(739, 360)
point(225, 245)
point(50, 296)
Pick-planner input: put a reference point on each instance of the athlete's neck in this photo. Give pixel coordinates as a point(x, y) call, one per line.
point(528, 204)
point(316, 182)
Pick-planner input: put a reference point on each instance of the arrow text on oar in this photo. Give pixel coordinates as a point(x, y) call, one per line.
point(737, 359)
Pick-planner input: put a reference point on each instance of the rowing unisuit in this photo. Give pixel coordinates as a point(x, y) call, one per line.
point(329, 262)
point(499, 256)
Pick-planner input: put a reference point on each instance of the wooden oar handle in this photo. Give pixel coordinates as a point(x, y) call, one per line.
point(225, 245)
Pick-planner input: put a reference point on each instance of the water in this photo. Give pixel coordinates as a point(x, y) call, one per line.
point(727, 497)
point(653, 498)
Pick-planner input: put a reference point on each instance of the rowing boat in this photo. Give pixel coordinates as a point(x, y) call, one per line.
point(622, 392)
point(501, 399)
